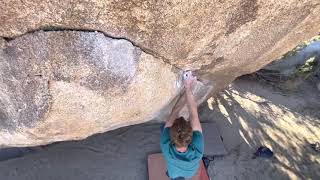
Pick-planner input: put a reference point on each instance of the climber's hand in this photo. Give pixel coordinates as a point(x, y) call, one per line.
point(189, 80)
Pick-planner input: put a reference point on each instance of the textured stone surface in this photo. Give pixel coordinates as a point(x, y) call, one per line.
point(226, 38)
point(54, 72)
point(68, 85)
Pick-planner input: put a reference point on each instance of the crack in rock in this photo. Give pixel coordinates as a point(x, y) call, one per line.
point(55, 29)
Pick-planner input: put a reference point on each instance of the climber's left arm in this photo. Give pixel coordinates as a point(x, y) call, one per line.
point(176, 109)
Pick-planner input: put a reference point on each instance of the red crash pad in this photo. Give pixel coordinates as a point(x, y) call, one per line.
point(157, 169)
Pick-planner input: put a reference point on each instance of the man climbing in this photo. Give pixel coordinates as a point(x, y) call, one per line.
point(182, 141)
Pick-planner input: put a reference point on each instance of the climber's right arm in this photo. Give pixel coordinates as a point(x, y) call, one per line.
point(176, 109)
point(192, 104)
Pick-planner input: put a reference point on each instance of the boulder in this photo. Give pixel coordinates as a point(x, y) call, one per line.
point(68, 85)
point(221, 39)
point(62, 80)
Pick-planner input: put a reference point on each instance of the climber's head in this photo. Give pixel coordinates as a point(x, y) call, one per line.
point(181, 134)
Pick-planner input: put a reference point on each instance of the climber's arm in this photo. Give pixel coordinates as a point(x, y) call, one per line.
point(193, 109)
point(176, 109)
point(192, 104)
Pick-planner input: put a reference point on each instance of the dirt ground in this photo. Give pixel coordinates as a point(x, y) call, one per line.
point(248, 114)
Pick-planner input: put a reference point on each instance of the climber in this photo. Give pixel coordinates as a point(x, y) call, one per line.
point(181, 141)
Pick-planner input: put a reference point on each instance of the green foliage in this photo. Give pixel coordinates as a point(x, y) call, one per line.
point(299, 47)
point(310, 65)
point(310, 68)
point(284, 79)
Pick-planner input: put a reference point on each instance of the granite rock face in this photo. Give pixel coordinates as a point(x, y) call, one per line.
point(220, 39)
point(67, 83)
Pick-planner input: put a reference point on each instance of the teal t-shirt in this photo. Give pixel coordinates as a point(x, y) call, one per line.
point(184, 164)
